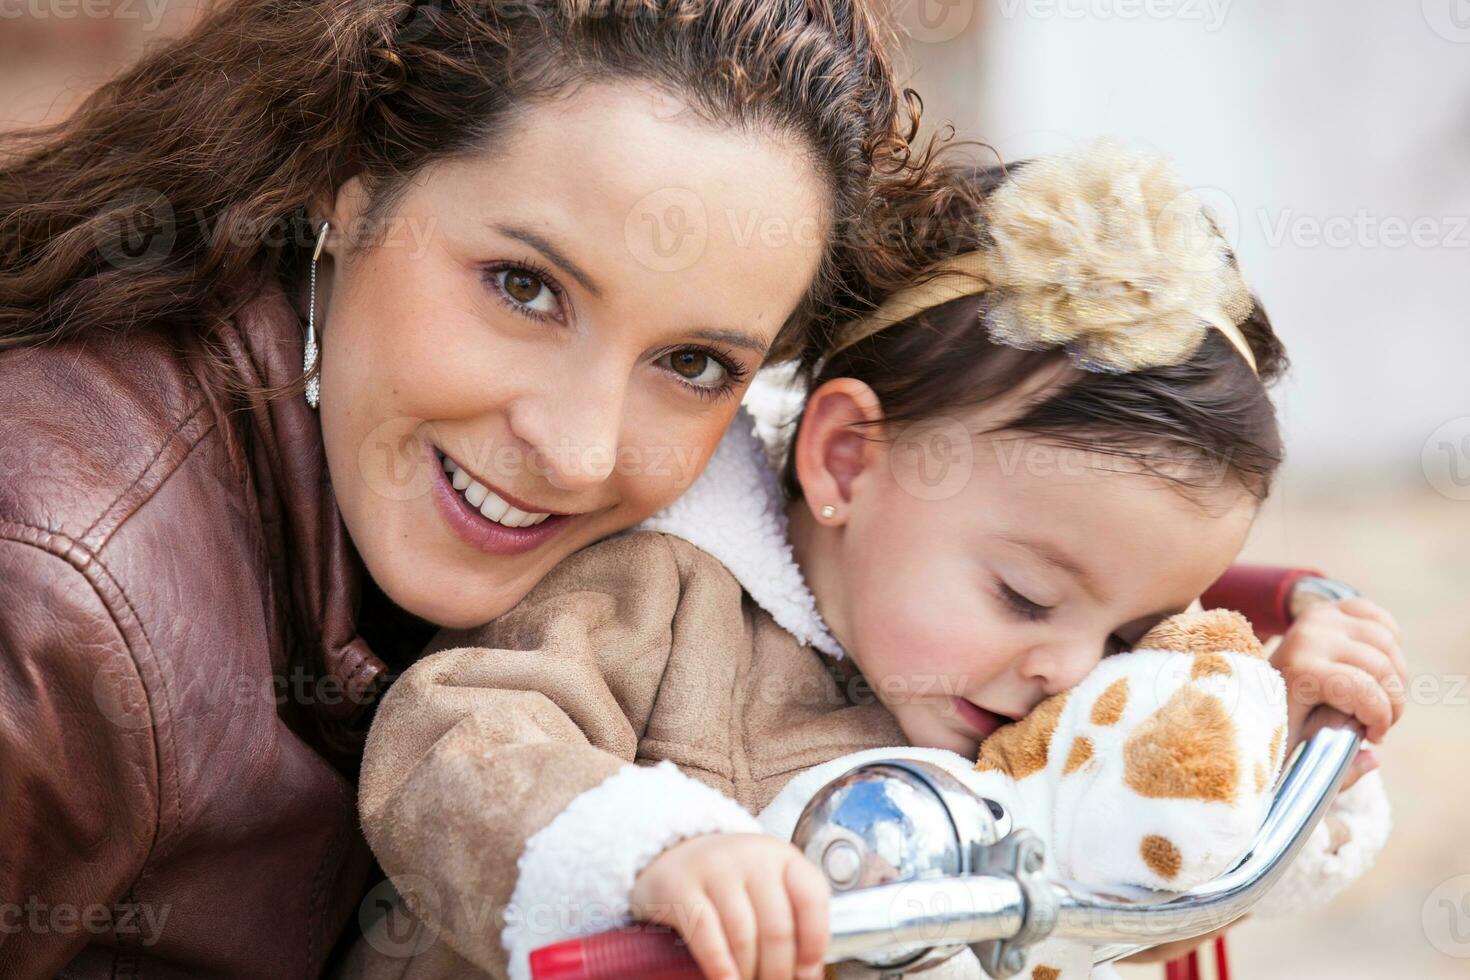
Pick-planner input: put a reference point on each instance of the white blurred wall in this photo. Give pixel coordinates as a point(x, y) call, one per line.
point(1330, 133)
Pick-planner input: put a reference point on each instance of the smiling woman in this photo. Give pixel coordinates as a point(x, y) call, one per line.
point(576, 357)
point(543, 247)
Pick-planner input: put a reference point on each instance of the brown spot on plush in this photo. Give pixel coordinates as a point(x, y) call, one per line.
point(1109, 707)
point(1278, 744)
point(1160, 854)
point(1206, 664)
point(1021, 748)
point(1081, 752)
point(1045, 973)
point(1260, 778)
point(1185, 750)
point(1211, 631)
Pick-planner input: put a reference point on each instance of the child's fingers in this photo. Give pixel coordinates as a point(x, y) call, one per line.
point(738, 921)
point(1368, 609)
point(1374, 662)
point(1356, 692)
point(775, 925)
point(698, 921)
point(1379, 636)
point(811, 901)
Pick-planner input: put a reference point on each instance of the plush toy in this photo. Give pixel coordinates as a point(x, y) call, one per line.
point(1155, 771)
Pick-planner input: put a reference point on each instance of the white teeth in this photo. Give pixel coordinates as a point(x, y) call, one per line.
point(489, 503)
point(494, 508)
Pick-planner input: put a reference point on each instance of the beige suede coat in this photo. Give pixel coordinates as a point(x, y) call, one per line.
point(496, 787)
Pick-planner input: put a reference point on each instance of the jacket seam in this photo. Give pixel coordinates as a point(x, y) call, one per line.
point(64, 548)
point(148, 468)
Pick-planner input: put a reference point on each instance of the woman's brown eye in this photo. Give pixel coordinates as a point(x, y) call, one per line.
point(690, 363)
point(697, 368)
point(522, 286)
point(525, 288)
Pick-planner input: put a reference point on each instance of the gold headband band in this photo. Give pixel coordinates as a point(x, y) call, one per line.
point(1101, 252)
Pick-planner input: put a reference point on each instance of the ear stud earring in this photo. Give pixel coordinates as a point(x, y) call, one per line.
point(829, 511)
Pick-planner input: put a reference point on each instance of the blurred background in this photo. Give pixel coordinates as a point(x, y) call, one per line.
point(1332, 139)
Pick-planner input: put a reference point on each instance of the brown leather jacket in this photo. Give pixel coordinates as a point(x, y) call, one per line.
point(167, 806)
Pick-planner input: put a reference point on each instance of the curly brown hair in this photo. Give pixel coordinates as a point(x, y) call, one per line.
point(190, 173)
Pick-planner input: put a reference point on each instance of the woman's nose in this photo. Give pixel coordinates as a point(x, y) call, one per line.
point(573, 439)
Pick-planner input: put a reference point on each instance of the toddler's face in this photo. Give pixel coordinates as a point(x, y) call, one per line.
point(970, 578)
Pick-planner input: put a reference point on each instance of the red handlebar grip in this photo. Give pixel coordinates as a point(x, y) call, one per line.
point(1261, 592)
point(649, 953)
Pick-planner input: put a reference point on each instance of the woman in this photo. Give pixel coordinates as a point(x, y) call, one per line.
point(541, 246)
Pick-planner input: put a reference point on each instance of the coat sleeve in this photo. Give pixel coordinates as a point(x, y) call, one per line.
point(497, 788)
point(78, 786)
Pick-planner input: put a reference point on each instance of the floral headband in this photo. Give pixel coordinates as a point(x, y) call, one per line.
point(1100, 251)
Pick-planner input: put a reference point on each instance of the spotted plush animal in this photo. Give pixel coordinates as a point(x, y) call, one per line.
point(1155, 771)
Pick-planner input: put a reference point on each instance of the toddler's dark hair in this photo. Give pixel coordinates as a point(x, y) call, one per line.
point(1211, 411)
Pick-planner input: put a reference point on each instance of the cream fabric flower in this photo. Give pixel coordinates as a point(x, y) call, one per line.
point(1104, 252)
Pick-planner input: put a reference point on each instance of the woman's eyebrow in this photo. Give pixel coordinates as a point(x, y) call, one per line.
point(543, 245)
point(734, 338)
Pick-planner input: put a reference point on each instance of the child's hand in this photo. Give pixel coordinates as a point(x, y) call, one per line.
point(749, 905)
point(1344, 654)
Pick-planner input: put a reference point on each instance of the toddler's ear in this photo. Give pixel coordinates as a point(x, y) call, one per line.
point(839, 437)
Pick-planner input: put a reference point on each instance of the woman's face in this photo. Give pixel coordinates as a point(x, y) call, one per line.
point(562, 325)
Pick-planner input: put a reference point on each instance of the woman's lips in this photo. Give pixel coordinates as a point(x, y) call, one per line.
point(978, 719)
point(477, 530)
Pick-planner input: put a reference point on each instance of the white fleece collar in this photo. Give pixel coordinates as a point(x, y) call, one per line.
point(736, 512)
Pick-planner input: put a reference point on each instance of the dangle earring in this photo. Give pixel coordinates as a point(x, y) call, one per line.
point(313, 385)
